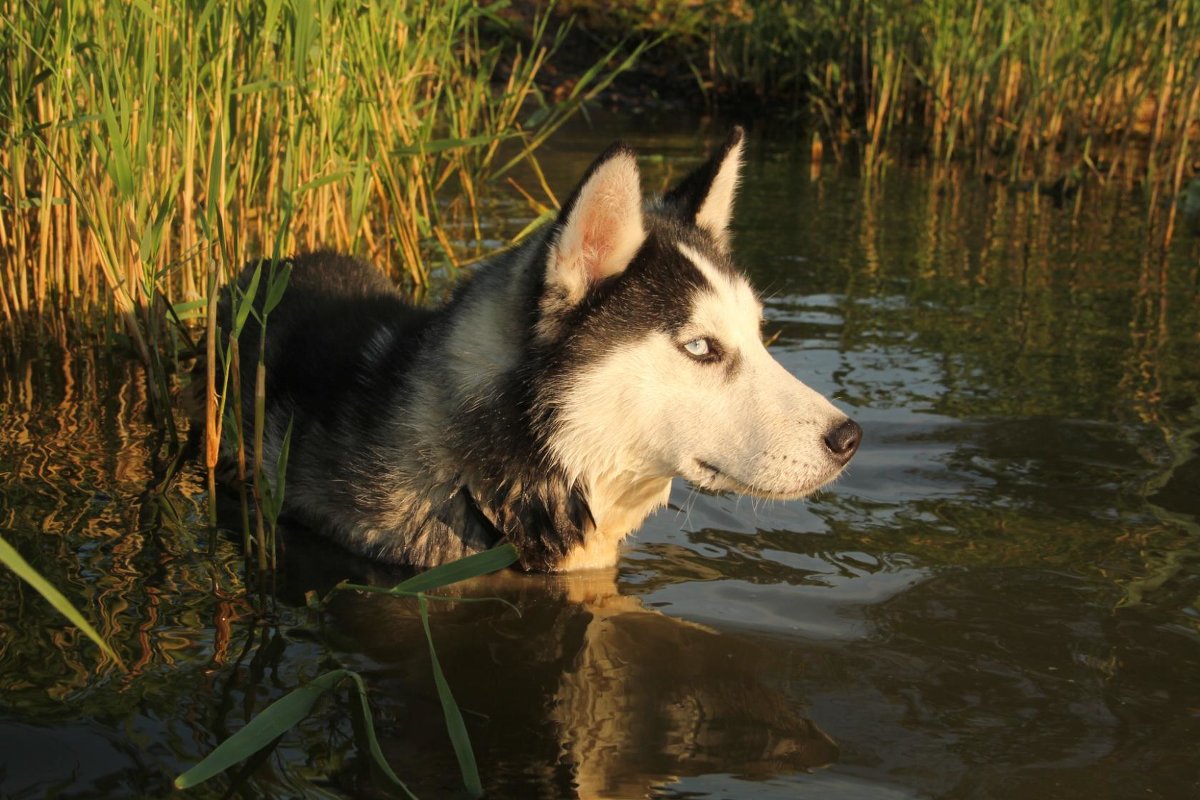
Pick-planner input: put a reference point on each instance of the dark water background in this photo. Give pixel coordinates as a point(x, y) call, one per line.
point(1000, 599)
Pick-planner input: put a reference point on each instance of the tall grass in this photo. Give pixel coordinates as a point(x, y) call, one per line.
point(1031, 90)
point(1039, 88)
point(143, 141)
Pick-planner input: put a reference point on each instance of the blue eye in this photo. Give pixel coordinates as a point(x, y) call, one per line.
point(698, 347)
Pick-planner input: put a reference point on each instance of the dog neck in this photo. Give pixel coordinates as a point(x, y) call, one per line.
point(619, 503)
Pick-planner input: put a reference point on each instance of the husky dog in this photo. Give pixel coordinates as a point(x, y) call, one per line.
point(553, 399)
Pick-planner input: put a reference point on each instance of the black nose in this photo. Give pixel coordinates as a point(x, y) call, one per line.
point(843, 440)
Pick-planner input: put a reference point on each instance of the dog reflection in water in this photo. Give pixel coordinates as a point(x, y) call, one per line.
point(587, 694)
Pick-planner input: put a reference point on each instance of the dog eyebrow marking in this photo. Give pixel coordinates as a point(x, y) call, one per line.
point(703, 265)
point(719, 278)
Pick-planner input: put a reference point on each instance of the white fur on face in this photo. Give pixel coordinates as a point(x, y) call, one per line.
point(603, 229)
point(649, 409)
point(717, 210)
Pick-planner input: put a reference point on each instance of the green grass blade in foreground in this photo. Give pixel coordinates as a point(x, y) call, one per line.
point(471, 566)
point(275, 720)
point(244, 301)
point(276, 286)
point(14, 561)
point(367, 726)
point(454, 720)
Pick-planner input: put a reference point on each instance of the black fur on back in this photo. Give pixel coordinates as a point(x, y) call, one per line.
point(317, 336)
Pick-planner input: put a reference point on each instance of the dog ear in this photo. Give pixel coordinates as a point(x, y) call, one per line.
point(600, 228)
point(705, 197)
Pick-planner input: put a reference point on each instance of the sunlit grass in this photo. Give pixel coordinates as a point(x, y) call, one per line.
point(143, 141)
point(1025, 90)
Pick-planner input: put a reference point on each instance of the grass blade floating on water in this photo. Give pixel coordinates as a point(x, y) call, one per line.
point(367, 727)
point(14, 561)
point(454, 720)
point(274, 721)
point(471, 566)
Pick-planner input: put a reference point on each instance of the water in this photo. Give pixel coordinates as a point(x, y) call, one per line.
point(1001, 598)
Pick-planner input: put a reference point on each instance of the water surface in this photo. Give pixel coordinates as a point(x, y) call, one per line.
point(1000, 598)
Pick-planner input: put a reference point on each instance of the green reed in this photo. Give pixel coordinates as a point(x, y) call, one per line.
point(1034, 90)
point(1031, 90)
point(142, 140)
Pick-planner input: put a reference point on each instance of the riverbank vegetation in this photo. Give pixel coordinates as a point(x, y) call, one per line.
point(1024, 90)
point(144, 143)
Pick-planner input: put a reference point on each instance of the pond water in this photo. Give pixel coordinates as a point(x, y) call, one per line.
point(1001, 597)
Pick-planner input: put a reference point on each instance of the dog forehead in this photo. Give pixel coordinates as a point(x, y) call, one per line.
point(730, 299)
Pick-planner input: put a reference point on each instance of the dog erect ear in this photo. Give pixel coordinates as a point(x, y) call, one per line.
point(600, 228)
point(706, 196)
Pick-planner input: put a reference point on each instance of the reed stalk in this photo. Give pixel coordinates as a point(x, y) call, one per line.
point(1034, 90)
point(260, 417)
point(141, 141)
point(212, 419)
point(235, 383)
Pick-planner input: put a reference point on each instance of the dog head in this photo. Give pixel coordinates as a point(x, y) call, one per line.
point(658, 367)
